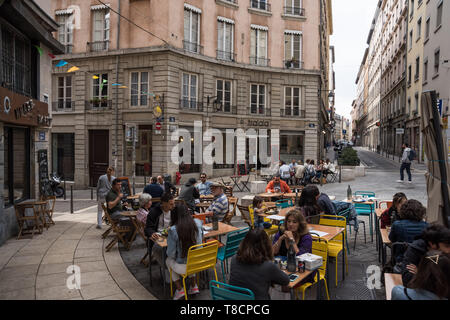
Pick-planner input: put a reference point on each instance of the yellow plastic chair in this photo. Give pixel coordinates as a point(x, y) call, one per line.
point(319, 248)
point(336, 245)
point(200, 257)
point(270, 232)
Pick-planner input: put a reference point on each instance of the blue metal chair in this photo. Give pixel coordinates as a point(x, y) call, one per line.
point(232, 245)
point(364, 209)
point(284, 203)
point(223, 291)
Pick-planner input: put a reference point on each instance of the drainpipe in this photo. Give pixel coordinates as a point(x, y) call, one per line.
point(116, 139)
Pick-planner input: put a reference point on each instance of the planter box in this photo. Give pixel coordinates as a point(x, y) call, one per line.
point(360, 171)
point(348, 175)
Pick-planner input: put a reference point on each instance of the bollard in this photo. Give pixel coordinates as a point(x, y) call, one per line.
point(92, 193)
point(145, 179)
point(71, 199)
point(65, 190)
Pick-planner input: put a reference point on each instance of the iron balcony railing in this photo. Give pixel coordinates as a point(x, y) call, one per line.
point(294, 11)
point(63, 106)
point(259, 111)
point(98, 104)
point(98, 46)
point(225, 108)
point(293, 64)
point(226, 55)
point(192, 47)
point(259, 61)
point(292, 112)
point(191, 104)
point(231, 1)
point(260, 4)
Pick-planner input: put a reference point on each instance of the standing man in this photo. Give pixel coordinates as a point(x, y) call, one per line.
point(293, 166)
point(406, 163)
point(103, 187)
point(285, 172)
point(165, 184)
point(204, 187)
point(154, 189)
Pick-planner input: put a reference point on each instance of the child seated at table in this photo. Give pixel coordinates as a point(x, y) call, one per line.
point(391, 214)
point(255, 210)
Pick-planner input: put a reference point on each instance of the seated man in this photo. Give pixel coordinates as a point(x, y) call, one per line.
point(154, 189)
point(166, 185)
point(189, 193)
point(219, 206)
point(278, 185)
point(204, 187)
point(114, 200)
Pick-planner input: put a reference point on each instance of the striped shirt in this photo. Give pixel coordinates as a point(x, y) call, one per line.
point(219, 206)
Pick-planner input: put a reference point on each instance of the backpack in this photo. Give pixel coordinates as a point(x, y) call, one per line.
point(412, 155)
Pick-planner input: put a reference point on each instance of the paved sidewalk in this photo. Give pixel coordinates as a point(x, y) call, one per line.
point(36, 268)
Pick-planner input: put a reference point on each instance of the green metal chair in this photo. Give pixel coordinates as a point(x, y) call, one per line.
point(364, 209)
point(284, 203)
point(223, 291)
point(346, 213)
point(232, 245)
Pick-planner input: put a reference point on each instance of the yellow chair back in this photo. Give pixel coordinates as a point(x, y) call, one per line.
point(252, 214)
point(320, 248)
point(334, 221)
point(202, 257)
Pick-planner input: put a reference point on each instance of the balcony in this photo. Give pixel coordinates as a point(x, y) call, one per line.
point(192, 47)
point(191, 105)
point(259, 61)
point(97, 46)
point(99, 104)
point(294, 11)
point(261, 111)
point(226, 56)
point(293, 64)
point(63, 106)
point(260, 5)
point(292, 112)
point(221, 108)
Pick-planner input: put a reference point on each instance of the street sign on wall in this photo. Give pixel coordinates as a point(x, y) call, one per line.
point(400, 131)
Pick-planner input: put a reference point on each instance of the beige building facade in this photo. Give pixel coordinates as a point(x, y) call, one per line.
point(226, 64)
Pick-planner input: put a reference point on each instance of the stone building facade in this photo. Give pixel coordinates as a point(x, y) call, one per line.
point(229, 65)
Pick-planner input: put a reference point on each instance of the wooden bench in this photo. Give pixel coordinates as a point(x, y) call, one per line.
point(390, 281)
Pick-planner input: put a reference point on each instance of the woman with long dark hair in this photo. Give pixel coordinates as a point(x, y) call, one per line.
point(308, 201)
point(184, 233)
point(252, 266)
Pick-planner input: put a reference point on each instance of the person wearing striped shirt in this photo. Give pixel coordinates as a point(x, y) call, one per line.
point(219, 206)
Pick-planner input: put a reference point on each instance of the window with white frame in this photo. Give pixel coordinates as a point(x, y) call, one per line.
point(65, 33)
point(437, 57)
point(292, 97)
point(223, 93)
point(100, 90)
point(293, 49)
point(419, 28)
point(293, 7)
point(139, 88)
point(225, 39)
point(258, 45)
point(257, 99)
point(191, 29)
point(427, 28)
point(439, 14)
point(64, 92)
point(100, 30)
point(189, 94)
point(259, 4)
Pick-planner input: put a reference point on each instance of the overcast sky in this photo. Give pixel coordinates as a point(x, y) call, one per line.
point(351, 23)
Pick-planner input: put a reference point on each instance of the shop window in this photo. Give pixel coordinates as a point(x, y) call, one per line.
point(291, 147)
point(143, 158)
point(17, 165)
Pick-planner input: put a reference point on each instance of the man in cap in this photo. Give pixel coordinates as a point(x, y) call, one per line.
point(219, 206)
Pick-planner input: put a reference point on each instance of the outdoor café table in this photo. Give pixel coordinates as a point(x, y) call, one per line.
point(203, 206)
point(132, 215)
point(302, 276)
point(385, 242)
point(269, 196)
point(39, 209)
point(236, 180)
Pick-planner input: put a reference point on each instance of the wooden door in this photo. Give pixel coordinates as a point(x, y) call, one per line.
point(98, 154)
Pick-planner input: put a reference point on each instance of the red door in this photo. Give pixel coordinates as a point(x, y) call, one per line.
point(98, 154)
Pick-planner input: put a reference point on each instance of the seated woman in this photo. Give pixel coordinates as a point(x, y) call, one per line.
point(410, 225)
point(320, 170)
point(252, 266)
point(431, 282)
point(255, 209)
point(295, 229)
point(308, 203)
point(184, 233)
point(390, 215)
point(145, 202)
